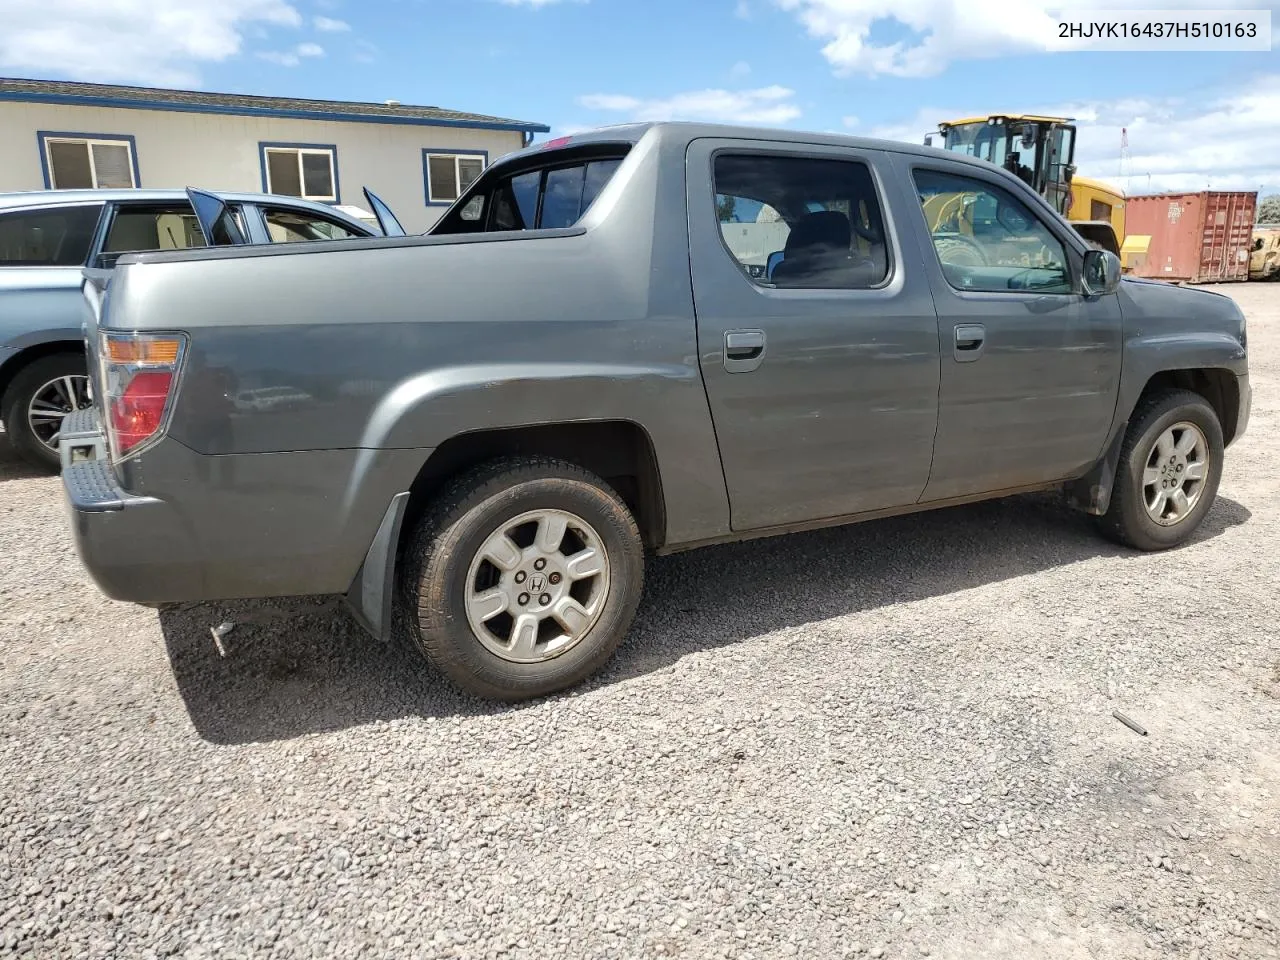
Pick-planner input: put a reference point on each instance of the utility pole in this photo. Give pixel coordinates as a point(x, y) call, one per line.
point(1125, 159)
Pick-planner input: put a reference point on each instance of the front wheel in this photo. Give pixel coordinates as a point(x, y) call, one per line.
point(523, 578)
point(1169, 471)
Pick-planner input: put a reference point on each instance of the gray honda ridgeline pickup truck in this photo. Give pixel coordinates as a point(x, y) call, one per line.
point(642, 338)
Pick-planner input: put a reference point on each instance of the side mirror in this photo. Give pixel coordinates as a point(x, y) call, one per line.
point(928, 141)
point(1069, 172)
point(1101, 273)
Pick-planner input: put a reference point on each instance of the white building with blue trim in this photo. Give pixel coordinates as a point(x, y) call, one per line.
point(55, 134)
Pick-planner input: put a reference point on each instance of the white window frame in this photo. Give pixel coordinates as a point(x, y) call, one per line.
point(429, 155)
point(302, 180)
point(93, 167)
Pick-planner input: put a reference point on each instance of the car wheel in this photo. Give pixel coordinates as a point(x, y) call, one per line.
point(1170, 467)
point(39, 396)
point(523, 577)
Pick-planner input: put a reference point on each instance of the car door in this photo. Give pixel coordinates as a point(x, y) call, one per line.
point(823, 380)
point(1030, 366)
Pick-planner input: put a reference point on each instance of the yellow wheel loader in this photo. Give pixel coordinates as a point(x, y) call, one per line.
point(1041, 152)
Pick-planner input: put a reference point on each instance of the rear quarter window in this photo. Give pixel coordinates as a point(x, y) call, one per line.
point(57, 237)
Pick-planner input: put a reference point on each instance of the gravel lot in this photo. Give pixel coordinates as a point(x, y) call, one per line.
point(892, 740)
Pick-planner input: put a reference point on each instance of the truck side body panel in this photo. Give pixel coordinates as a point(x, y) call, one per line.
point(320, 379)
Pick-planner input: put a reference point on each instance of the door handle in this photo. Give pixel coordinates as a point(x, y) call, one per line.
point(743, 350)
point(970, 339)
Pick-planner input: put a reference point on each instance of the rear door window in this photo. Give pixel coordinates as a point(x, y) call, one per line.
point(795, 221)
point(52, 237)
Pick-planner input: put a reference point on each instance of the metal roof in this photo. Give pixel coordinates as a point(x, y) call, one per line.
point(1014, 117)
point(197, 101)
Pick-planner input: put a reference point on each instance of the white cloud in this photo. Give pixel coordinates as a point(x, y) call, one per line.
point(743, 10)
point(772, 106)
point(945, 31)
point(291, 58)
point(740, 70)
point(536, 4)
point(123, 41)
point(1223, 139)
point(851, 121)
point(330, 25)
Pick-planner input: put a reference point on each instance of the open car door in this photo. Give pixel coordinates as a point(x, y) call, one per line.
point(216, 222)
point(386, 219)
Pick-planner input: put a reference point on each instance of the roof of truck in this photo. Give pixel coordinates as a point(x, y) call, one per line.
point(687, 130)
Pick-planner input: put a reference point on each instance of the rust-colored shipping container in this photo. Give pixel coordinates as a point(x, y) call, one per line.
point(1195, 237)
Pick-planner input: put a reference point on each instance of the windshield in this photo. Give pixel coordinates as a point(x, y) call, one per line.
point(982, 140)
point(1002, 144)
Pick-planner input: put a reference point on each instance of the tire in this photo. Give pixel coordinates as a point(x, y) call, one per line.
point(17, 401)
point(1128, 519)
point(445, 563)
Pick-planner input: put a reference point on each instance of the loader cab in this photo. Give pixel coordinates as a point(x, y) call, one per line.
point(1038, 150)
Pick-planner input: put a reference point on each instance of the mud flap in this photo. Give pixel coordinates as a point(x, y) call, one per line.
point(372, 592)
point(1092, 492)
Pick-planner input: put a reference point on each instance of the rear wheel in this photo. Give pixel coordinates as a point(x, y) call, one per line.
point(523, 578)
point(1169, 471)
point(39, 397)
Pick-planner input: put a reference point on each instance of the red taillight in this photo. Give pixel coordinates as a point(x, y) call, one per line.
point(139, 413)
point(138, 375)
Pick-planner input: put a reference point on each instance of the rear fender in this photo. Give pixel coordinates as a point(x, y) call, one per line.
point(426, 410)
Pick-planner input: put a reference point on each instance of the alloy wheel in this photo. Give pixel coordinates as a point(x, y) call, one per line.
point(1175, 474)
point(537, 585)
point(51, 404)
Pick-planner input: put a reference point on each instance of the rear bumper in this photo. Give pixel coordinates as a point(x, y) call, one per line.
point(176, 526)
point(81, 438)
point(135, 548)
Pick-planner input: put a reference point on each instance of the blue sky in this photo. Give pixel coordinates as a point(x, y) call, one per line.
point(859, 66)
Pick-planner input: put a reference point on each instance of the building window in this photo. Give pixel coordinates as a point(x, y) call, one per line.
point(300, 170)
point(449, 175)
point(77, 161)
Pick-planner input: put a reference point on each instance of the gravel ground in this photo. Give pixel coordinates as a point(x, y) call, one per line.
point(887, 740)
